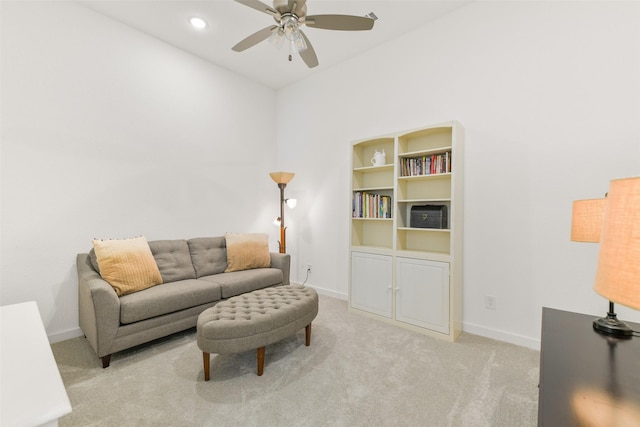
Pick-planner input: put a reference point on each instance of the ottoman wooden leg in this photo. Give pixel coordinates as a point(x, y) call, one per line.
point(307, 331)
point(260, 361)
point(206, 359)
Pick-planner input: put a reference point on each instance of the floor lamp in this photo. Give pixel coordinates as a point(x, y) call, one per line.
point(282, 179)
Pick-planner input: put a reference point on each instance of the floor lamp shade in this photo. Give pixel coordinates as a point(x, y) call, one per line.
point(618, 273)
point(587, 219)
point(281, 177)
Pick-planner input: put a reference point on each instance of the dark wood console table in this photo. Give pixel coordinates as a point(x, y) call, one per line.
point(587, 379)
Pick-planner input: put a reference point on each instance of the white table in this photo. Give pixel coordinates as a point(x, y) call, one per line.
point(31, 389)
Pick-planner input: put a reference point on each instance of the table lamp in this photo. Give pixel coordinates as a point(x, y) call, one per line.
point(587, 219)
point(618, 272)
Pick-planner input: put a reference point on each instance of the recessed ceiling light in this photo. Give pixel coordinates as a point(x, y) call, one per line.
point(198, 23)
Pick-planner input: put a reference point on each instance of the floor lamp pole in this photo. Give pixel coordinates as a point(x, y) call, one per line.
point(282, 178)
point(283, 238)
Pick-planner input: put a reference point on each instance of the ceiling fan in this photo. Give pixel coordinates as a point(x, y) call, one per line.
point(290, 16)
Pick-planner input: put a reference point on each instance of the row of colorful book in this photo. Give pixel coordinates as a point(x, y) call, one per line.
point(425, 165)
point(371, 205)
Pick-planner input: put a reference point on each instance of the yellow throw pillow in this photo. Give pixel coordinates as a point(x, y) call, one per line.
point(246, 251)
point(127, 264)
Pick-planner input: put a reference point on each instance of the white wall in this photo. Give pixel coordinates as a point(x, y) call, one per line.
point(109, 133)
point(549, 95)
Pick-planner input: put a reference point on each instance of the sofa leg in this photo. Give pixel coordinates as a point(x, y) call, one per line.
point(260, 361)
point(206, 360)
point(307, 334)
point(106, 360)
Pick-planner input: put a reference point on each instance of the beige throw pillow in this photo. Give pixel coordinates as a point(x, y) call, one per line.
point(246, 251)
point(128, 264)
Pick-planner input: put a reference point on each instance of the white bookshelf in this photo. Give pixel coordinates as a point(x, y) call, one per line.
point(400, 273)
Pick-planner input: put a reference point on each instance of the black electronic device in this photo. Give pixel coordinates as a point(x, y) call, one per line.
point(429, 216)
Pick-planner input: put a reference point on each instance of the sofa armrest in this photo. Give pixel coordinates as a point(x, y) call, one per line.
point(283, 262)
point(99, 307)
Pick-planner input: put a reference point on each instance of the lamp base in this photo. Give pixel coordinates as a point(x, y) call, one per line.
point(610, 325)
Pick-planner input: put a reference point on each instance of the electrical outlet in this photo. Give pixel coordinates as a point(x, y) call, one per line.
point(490, 302)
point(308, 268)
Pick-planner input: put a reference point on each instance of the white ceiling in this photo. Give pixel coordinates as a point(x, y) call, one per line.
point(229, 22)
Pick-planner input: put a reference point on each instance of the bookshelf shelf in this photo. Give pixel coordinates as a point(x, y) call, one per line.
point(373, 189)
point(433, 176)
point(425, 230)
point(409, 276)
point(425, 152)
point(374, 168)
point(423, 201)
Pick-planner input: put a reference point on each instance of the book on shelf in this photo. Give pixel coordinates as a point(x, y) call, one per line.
point(426, 165)
point(371, 205)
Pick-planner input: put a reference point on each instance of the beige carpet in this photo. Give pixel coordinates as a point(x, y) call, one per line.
point(357, 372)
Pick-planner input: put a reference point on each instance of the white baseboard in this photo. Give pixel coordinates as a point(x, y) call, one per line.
point(65, 335)
point(499, 335)
point(327, 292)
point(471, 328)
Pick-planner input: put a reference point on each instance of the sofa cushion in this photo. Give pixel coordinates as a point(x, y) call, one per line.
point(208, 255)
point(173, 259)
point(127, 264)
point(240, 282)
point(247, 251)
point(167, 298)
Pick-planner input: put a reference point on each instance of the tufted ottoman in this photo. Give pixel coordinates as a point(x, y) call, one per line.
point(254, 320)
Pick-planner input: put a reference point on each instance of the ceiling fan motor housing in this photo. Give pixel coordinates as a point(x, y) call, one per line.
point(287, 6)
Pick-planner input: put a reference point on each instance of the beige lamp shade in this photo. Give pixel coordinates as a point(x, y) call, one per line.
point(587, 219)
point(282, 177)
point(618, 273)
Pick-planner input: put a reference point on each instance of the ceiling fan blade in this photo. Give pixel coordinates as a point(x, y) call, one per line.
point(339, 22)
point(309, 54)
point(258, 5)
point(254, 39)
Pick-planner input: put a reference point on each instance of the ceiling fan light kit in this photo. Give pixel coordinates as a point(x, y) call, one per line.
point(290, 16)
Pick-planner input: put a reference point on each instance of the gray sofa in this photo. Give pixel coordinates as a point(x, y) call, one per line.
point(193, 280)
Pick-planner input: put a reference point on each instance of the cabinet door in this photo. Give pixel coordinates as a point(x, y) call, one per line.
point(422, 293)
point(371, 278)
